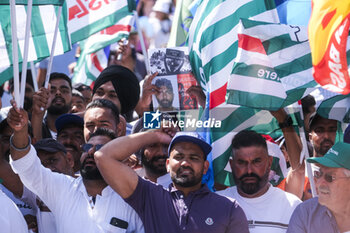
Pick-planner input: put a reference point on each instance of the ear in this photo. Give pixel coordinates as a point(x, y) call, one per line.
point(206, 167)
point(70, 159)
point(121, 127)
point(167, 165)
point(270, 160)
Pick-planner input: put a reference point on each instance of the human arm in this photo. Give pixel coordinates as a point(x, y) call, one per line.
point(296, 177)
point(148, 89)
point(109, 159)
point(40, 104)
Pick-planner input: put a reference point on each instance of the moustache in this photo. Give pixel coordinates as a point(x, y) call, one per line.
point(157, 157)
point(71, 146)
point(181, 169)
point(251, 175)
point(58, 98)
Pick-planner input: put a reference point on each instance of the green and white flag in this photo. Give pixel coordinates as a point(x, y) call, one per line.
point(273, 67)
point(41, 34)
point(86, 18)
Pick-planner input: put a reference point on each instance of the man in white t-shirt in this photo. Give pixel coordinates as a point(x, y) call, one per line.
point(268, 209)
point(85, 204)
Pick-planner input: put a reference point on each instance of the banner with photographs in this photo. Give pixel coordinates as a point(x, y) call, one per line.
point(174, 79)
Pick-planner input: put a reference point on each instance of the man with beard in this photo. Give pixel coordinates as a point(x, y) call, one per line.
point(57, 101)
point(70, 135)
point(330, 211)
point(250, 169)
point(153, 158)
point(187, 205)
point(85, 204)
point(165, 95)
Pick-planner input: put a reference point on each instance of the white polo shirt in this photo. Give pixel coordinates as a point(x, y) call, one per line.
point(68, 200)
point(11, 219)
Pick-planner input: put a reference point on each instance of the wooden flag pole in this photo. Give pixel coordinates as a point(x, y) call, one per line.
point(25, 52)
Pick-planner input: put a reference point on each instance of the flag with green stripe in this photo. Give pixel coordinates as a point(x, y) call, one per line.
point(41, 33)
point(273, 66)
point(35, 2)
point(86, 18)
point(93, 59)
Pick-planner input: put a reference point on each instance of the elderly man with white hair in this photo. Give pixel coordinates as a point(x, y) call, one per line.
point(330, 211)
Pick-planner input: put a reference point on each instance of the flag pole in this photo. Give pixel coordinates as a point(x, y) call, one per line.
point(34, 75)
point(25, 52)
point(14, 51)
point(142, 42)
point(305, 151)
point(49, 67)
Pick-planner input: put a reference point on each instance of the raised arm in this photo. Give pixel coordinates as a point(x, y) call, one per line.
point(109, 159)
point(296, 176)
point(40, 104)
point(9, 179)
point(148, 89)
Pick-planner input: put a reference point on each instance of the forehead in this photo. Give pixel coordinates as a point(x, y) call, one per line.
point(107, 86)
point(100, 139)
point(58, 82)
point(77, 99)
point(98, 113)
point(72, 129)
point(324, 123)
point(186, 148)
point(251, 152)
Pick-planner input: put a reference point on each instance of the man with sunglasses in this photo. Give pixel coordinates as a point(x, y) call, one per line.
point(85, 204)
point(330, 211)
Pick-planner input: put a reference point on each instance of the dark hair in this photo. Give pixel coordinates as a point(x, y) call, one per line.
point(103, 132)
point(247, 138)
point(56, 75)
point(77, 93)
point(164, 82)
point(29, 80)
point(307, 102)
point(81, 87)
point(1, 90)
point(103, 103)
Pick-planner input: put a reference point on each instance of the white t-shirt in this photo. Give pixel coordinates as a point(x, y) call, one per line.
point(11, 219)
point(269, 213)
point(68, 200)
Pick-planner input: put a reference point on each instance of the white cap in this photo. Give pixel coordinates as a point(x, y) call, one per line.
point(162, 6)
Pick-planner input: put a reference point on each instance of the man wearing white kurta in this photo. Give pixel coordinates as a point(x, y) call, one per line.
point(268, 209)
point(79, 205)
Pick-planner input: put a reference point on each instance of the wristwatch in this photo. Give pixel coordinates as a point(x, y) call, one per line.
point(286, 123)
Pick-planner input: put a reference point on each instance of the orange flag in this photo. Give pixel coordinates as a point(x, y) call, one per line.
point(328, 34)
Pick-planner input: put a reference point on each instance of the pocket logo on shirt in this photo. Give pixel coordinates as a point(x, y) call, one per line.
point(209, 221)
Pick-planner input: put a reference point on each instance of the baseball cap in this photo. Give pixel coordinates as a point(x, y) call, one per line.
point(337, 156)
point(193, 137)
point(49, 145)
point(68, 119)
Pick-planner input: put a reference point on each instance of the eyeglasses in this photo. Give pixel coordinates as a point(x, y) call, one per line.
point(87, 147)
point(327, 177)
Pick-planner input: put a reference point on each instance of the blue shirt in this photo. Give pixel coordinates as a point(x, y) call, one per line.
point(311, 217)
point(170, 211)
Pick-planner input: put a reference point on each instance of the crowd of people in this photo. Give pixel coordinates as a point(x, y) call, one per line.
point(79, 158)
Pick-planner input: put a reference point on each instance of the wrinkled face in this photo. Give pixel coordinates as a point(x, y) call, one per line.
point(72, 139)
point(186, 164)
point(250, 169)
point(107, 91)
point(335, 194)
point(56, 162)
point(322, 136)
point(78, 104)
point(60, 97)
point(88, 169)
point(99, 118)
point(165, 97)
point(154, 158)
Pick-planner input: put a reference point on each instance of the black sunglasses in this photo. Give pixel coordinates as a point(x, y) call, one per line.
point(86, 147)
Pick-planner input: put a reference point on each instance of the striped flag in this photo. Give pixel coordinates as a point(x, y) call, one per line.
point(41, 35)
point(86, 18)
point(273, 66)
point(328, 33)
point(94, 58)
